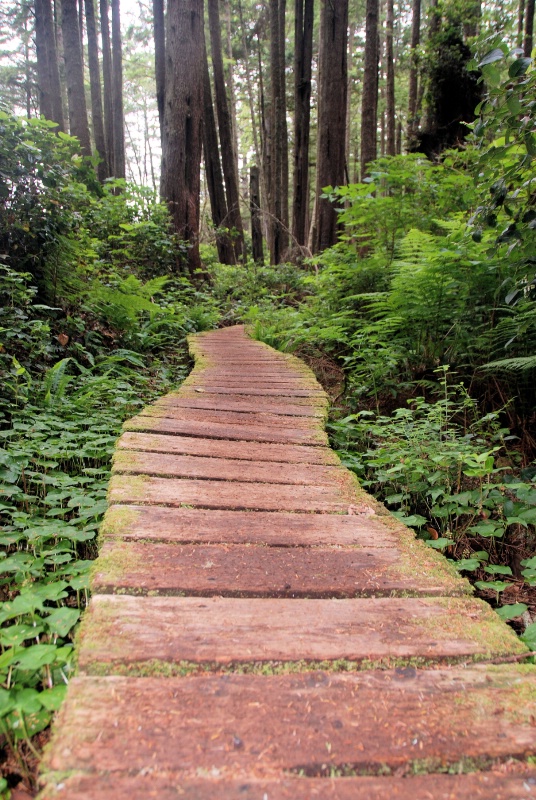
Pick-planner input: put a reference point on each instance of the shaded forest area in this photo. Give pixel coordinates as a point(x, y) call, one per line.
point(354, 180)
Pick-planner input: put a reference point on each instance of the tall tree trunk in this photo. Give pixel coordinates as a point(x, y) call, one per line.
point(255, 210)
point(107, 84)
point(183, 110)
point(229, 80)
point(213, 171)
point(283, 125)
point(48, 75)
point(369, 109)
point(413, 122)
point(117, 89)
point(225, 129)
point(96, 94)
point(303, 55)
point(390, 82)
point(159, 57)
point(520, 22)
point(529, 28)
point(78, 125)
point(279, 160)
point(332, 98)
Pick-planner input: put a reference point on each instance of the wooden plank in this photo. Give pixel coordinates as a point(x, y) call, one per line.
point(131, 462)
point(191, 526)
point(311, 723)
point(233, 417)
point(224, 448)
point(119, 630)
point(202, 386)
point(234, 495)
point(215, 430)
point(151, 784)
point(239, 403)
point(235, 570)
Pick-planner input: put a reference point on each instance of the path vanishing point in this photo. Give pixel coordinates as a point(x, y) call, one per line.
point(262, 629)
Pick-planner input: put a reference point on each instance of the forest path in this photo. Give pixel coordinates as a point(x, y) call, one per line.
point(262, 629)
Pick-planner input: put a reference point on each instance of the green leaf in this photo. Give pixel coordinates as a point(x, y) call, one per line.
point(529, 637)
point(497, 569)
point(439, 544)
point(494, 55)
point(17, 634)
point(62, 620)
point(496, 586)
point(54, 697)
point(468, 564)
point(512, 611)
point(36, 656)
point(519, 67)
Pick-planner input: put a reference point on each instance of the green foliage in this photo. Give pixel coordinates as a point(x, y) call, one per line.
point(436, 465)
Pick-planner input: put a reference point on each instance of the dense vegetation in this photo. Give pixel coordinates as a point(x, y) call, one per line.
point(421, 322)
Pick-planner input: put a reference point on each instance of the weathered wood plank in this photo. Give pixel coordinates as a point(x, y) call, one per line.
point(243, 725)
point(235, 570)
point(239, 403)
point(152, 784)
point(233, 417)
point(233, 495)
point(215, 430)
point(119, 631)
point(190, 526)
point(132, 462)
point(225, 448)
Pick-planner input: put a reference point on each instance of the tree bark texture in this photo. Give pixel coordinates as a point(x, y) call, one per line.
point(96, 95)
point(303, 55)
point(107, 84)
point(369, 109)
point(255, 210)
point(214, 175)
point(390, 145)
point(529, 28)
point(159, 57)
point(332, 98)
point(183, 128)
point(74, 75)
point(278, 129)
point(48, 75)
point(413, 123)
point(117, 89)
point(225, 130)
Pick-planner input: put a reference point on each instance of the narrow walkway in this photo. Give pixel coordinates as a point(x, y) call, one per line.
point(262, 629)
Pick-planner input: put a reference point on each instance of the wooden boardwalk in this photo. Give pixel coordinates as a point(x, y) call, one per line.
point(262, 629)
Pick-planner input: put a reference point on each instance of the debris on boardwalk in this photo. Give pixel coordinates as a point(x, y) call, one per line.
point(262, 629)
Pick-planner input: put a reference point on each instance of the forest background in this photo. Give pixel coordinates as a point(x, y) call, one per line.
point(355, 181)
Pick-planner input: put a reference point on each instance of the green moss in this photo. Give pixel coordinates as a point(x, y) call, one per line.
point(117, 521)
point(473, 620)
point(115, 560)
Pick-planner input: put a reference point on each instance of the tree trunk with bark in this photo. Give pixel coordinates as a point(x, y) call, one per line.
point(390, 148)
point(413, 122)
point(225, 130)
point(96, 95)
point(332, 98)
point(255, 210)
point(369, 109)
point(214, 176)
point(74, 75)
point(159, 57)
point(48, 75)
point(303, 55)
point(117, 90)
point(529, 28)
point(107, 84)
point(183, 124)
point(278, 126)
